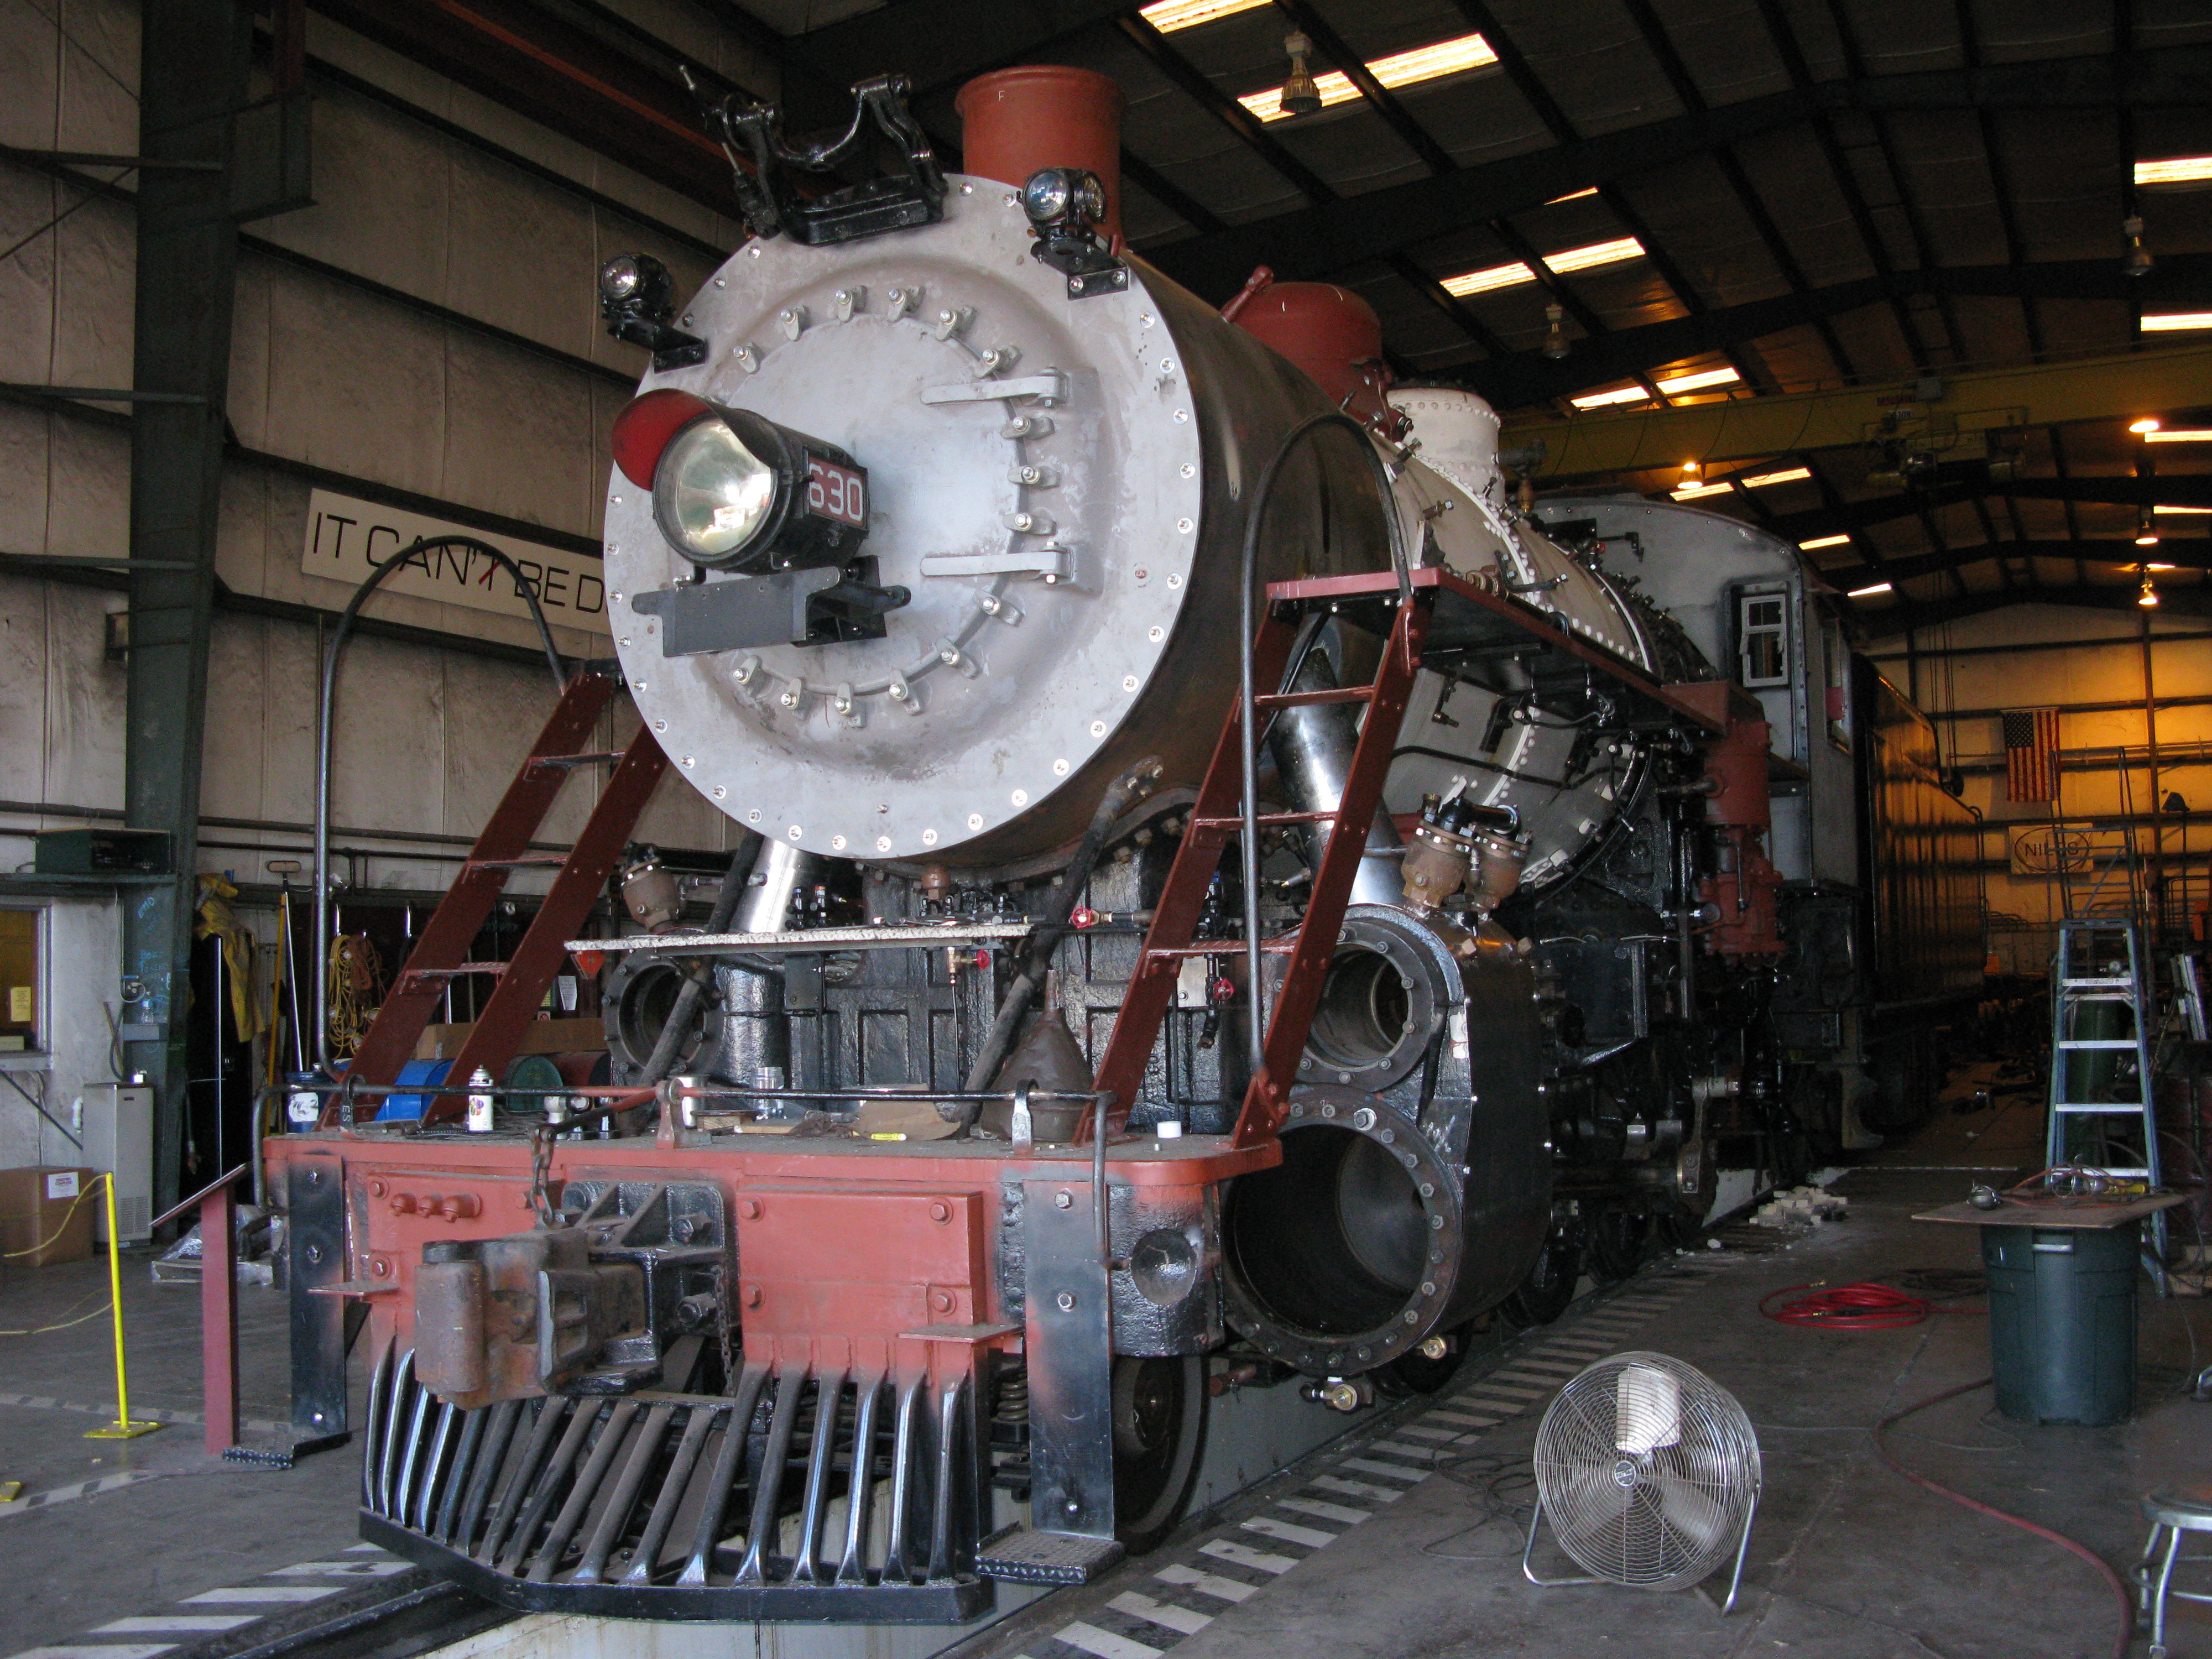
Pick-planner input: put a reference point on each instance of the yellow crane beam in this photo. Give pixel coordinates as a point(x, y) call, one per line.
point(1972, 407)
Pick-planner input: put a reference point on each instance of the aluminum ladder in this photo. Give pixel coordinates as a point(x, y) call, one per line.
point(2104, 962)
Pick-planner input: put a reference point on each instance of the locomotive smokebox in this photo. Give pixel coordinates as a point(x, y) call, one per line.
point(954, 543)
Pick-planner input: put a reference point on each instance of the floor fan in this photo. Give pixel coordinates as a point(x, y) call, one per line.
point(1648, 1473)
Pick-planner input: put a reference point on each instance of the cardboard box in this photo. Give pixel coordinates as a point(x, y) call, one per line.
point(540, 1037)
point(41, 1218)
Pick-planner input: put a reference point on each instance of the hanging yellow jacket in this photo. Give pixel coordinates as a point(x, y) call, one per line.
point(214, 917)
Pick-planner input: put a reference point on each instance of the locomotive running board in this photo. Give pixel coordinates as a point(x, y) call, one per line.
point(657, 1505)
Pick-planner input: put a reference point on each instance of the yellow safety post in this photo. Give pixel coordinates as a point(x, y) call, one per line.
point(122, 1428)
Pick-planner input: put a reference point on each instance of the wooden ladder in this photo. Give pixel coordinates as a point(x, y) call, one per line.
point(503, 846)
point(1216, 820)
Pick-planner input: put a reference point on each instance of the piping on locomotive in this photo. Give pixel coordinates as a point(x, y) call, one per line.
point(923, 551)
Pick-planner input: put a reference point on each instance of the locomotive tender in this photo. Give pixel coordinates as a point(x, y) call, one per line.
point(965, 1174)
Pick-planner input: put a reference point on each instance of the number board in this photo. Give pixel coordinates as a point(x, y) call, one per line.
point(836, 492)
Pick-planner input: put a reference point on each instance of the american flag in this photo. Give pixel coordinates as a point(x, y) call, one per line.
point(2031, 737)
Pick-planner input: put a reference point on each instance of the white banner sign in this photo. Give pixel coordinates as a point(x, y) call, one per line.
point(347, 538)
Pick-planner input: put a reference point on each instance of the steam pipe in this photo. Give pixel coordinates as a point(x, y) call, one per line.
point(779, 870)
point(1313, 746)
point(727, 897)
point(1247, 733)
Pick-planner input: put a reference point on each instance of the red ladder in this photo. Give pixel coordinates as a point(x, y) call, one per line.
point(1215, 821)
point(503, 845)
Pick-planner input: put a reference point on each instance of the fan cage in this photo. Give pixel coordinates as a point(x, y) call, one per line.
point(1648, 1471)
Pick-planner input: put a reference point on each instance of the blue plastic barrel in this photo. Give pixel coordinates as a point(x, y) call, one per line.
point(418, 1072)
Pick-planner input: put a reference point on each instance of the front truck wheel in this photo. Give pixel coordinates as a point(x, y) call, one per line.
point(1159, 1438)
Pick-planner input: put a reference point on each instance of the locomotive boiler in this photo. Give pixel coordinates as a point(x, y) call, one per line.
point(1071, 1027)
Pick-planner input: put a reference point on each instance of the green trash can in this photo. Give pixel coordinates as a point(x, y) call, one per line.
point(2063, 1321)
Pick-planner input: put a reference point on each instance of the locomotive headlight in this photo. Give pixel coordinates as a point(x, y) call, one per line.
point(733, 490)
point(711, 493)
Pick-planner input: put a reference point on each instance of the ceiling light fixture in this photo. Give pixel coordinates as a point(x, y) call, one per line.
point(1822, 541)
point(1597, 253)
point(2138, 262)
point(2180, 434)
point(2162, 507)
point(1792, 475)
point(2175, 322)
point(1555, 338)
point(1573, 196)
point(1698, 492)
point(1702, 380)
point(1868, 592)
point(1171, 15)
point(2146, 426)
point(2146, 529)
point(1405, 69)
point(2181, 170)
point(1571, 260)
point(2161, 566)
point(2149, 598)
point(1298, 96)
point(1626, 394)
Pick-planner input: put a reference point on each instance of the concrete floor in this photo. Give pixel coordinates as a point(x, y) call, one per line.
point(163, 1520)
point(1848, 1561)
point(1408, 1544)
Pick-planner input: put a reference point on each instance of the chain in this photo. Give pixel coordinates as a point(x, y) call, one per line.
point(541, 1171)
point(722, 1328)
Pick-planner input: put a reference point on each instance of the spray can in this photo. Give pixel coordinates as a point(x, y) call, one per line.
point(479, 1102)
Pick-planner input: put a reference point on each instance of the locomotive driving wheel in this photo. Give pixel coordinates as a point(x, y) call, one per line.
point(1160, 1433)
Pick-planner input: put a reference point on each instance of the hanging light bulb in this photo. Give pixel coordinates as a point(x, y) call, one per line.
point(2138, 259)
point(2146, 529)
point(1555, 338)
point(1300, 95)
point(2148, 597)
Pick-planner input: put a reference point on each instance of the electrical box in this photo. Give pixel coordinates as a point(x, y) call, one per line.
point(118, 1137)
point(101, 853)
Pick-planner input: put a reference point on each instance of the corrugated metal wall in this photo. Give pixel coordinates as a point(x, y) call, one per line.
point(429, 327)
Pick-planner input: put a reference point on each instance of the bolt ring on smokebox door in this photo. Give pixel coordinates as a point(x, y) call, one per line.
point(1429, 1237)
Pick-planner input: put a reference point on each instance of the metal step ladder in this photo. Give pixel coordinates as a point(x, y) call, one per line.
point(503, 847)
point(1218, 819)
point(2104, 963)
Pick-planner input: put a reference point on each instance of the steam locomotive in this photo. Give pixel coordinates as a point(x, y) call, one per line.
point(1057, 1046)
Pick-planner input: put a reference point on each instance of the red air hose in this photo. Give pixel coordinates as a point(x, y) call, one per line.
point(1861, 1307)
point(2121, 1594)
